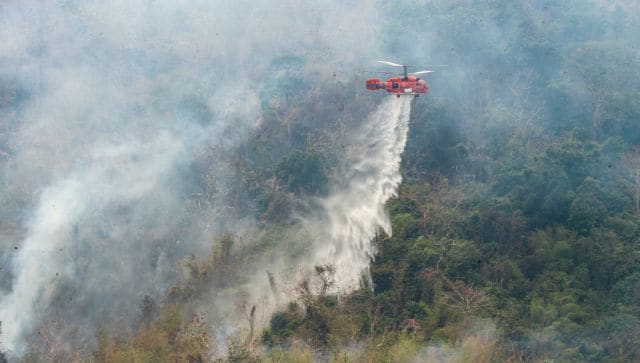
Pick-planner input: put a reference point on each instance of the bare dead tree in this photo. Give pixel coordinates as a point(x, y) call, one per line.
point(326, 274)
point(305, 294)
point(272, 282)
point(374, 317)
point(629, 172)
point(523, 113)
point(251, 318)
point(463, 297)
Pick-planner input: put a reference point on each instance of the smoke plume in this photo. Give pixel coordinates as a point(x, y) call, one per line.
point(110, 113)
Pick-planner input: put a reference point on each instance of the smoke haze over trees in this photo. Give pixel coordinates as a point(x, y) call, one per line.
point(182, 182)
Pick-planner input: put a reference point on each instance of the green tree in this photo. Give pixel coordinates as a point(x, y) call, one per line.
point(303, 172)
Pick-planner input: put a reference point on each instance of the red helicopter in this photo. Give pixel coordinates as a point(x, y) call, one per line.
point(409, 84)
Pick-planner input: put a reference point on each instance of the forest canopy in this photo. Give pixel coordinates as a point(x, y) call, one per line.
point(515, 232)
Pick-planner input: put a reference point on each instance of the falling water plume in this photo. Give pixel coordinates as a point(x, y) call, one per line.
point(355, 210)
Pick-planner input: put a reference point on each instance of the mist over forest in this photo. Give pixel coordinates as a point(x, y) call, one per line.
point(212, 181)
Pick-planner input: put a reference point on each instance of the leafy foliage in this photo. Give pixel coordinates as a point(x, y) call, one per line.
point(302, 172)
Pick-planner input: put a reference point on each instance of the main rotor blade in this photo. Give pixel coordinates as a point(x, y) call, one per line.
point(421, 72)
point(390, 63)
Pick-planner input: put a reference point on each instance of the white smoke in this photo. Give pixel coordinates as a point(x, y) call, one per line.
point(116, 176)
point(355, 210)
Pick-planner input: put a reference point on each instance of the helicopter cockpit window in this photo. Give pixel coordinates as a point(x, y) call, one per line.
point(394, 85)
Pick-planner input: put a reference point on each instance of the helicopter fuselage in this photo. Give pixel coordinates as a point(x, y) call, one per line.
point(409, 85)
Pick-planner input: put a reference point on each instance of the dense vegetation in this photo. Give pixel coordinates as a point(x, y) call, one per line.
point(516, 230)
